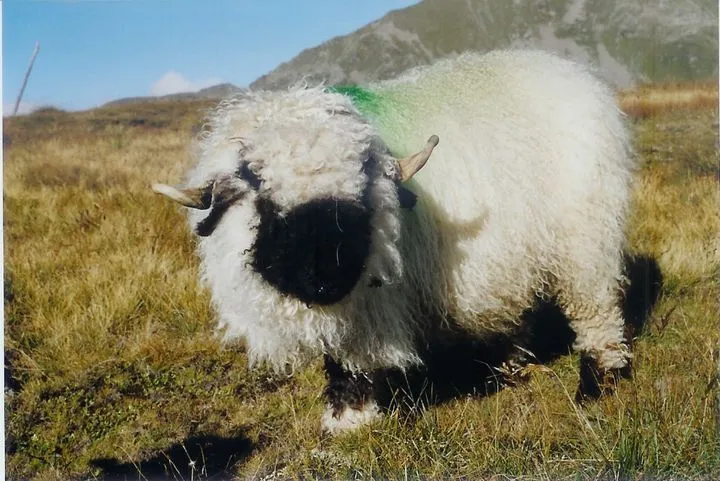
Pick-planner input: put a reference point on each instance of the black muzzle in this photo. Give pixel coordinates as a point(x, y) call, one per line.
point(316, 252)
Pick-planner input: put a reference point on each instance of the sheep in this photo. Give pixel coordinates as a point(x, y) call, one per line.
point(316, 239)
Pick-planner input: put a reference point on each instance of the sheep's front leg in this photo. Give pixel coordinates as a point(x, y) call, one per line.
point(605, 355)
point(350, 397)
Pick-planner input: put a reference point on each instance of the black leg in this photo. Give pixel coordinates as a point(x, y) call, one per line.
point(350, 397)
point(596, 382)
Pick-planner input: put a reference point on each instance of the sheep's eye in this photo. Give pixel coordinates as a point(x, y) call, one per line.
point(407, 198)
point(249, 176)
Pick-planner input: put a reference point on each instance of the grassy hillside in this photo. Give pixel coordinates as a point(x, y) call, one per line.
point(114, 373)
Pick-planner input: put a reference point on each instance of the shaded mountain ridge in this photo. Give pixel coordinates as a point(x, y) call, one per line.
point(626, 40)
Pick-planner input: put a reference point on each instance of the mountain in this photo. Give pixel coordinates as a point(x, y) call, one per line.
point(628, 40)
point(215, 92)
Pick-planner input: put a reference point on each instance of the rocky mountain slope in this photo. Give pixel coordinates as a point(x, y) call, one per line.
point(628, 40)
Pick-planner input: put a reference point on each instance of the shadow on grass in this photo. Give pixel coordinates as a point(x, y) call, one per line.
point(197, 458)
point(456, 365)
point(460, 364)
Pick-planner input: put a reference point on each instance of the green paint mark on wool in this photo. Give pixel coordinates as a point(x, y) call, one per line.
point(367, 101)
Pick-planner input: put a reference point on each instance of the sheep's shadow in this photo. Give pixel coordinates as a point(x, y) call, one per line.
point(461, 364)
point(198, 457)
point(456, 367)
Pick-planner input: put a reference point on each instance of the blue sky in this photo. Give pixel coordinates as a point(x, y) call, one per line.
point(93, 51)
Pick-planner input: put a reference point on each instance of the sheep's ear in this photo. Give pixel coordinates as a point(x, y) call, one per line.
point(226, 190)
point(196, 198)
point(410, 165)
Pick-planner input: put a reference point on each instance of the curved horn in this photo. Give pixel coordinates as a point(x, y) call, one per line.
point(196, 198)
point(411, 164)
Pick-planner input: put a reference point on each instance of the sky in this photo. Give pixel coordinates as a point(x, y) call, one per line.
point(94, 51)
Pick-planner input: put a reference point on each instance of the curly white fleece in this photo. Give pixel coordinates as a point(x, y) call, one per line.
point(305, 144)
point(526, 195)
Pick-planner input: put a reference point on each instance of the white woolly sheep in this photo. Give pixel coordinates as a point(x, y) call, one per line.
point(319, 242)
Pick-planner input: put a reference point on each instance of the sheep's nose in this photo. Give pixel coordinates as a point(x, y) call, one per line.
point(316, 252)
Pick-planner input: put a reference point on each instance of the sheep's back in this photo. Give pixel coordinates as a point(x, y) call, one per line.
point(532, 162)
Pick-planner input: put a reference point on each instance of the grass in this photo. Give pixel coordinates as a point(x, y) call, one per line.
point(114, 370)
point(648, 99)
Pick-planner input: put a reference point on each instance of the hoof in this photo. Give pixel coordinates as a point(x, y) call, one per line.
point(596, 382)
point(334, 422)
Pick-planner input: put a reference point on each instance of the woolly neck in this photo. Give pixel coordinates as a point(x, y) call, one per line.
point(365, 100)
point(379, 107)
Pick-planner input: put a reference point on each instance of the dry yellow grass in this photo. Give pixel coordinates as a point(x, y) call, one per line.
point(114, 368)
point(648, 100)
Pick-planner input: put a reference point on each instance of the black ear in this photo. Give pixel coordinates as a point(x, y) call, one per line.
point(207, 226)
point(225, 193)
point(248, 176)
point(407, 198)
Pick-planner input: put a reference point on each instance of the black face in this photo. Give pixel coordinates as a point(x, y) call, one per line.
point(316, 252)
